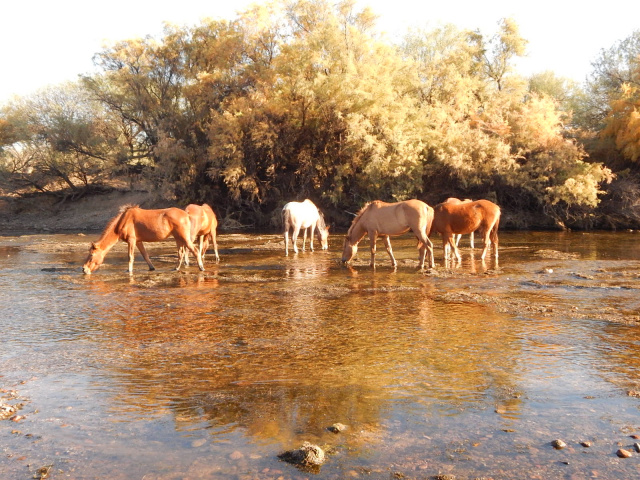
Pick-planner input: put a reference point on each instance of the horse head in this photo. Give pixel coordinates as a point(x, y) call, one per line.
point(324, 237)
point(94, 260)
point(349, 250)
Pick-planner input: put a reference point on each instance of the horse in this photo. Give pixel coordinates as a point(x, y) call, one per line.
point(452, 218)
point(378, 218)
point(203, 228)
point(134, 226)
point(458, 236)
point(306, 216)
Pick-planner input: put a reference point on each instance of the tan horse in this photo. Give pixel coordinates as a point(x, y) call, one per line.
point(452, 218)
point(134, 226)
point(389, 219)
point(203, 229)
point(304, 216)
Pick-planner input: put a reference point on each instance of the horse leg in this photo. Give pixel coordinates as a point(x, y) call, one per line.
point(425, 245)
point(212, 236)
point(311, 232)
point(487, 243)
point(203, 247)
point(145, 255)
point(304, 238)
point(294, 238)
point(448, 239)
point(471, 240)
point(286, 242)
point(373, 237)
point(387, 244)
point(185, 243)
point(184, 256)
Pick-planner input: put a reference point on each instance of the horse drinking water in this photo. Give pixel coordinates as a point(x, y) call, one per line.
point(203, 229)
point(466, 217)
point(134, 226)
point(385, 219)
point(304, 215)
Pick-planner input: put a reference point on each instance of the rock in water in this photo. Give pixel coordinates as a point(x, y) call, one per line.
point(308, 455)
point(622, 453)
point(337, 428)
point(558, 444)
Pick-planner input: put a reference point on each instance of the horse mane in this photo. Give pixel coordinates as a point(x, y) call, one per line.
point(357, 217)
point(113, 223)
point(321, 223)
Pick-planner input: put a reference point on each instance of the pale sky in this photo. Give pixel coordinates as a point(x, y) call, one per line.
point(46, 42)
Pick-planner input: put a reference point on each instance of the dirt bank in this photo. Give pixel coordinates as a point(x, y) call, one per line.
point(48, 214)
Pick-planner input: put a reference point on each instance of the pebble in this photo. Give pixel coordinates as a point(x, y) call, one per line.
point(637, 447)
point(558, 444)
point(198, 443)
point(622, 453)
point(337, 428)
point(585, 444)
point(237, 455)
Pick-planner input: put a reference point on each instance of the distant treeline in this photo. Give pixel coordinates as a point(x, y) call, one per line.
point(306, 99)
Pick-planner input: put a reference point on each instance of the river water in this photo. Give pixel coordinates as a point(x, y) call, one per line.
point(468, 370)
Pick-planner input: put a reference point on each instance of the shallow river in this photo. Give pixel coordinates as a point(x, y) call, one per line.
point(469, 370)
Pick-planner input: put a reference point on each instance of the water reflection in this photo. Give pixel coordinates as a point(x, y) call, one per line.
point(260, 353)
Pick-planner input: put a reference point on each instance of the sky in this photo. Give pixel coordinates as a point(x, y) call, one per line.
point(47, 42)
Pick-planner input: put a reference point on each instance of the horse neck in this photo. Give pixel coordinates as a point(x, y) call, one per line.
point(109, 236)
point(357, 231)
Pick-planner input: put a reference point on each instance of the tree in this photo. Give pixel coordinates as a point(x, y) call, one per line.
point(58, 139)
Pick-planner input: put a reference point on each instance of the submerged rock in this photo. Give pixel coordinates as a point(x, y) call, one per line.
point(308, 455)
point(337, 428)
point(558, 444)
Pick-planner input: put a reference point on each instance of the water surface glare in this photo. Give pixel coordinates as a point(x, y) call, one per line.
point(470, 370)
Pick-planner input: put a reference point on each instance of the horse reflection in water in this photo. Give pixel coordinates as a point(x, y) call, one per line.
point(134, 226)
point(451, 218)
point(378, 218)
point(306, 216)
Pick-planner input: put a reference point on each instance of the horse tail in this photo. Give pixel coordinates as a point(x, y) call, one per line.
point(494, 229)
point(285, 218)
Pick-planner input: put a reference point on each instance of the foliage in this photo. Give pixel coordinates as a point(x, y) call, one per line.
point(302, 98)
point(58, 137)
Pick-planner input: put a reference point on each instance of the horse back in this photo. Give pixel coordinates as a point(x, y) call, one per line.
point(300, 214)
point(153, 225)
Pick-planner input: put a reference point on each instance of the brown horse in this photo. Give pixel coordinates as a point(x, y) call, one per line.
point(134, 226)
point(452, 218)
point(458, 236)
point(203, 228)
point(389, 219)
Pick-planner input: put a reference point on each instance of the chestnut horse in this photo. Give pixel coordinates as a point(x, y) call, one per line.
point(378, 218)
point(458, 236)
point(306, 216)
point(452, 218)
point(135, 225)
point(203, 228)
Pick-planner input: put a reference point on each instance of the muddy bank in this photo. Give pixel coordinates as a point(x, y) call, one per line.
point(47, 214)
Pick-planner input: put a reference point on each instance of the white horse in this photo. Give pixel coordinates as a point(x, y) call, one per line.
point(303, 215)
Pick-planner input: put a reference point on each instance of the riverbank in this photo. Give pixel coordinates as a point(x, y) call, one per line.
point(47, 214)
